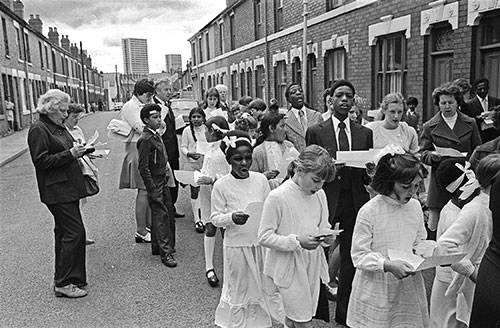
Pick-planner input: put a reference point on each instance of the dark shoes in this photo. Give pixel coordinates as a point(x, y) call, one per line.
point(169, 261)
point(89, 242)
point(199, 227)
point(179, 215)
point(70, 291)
point(212, 278)
point(142, 239)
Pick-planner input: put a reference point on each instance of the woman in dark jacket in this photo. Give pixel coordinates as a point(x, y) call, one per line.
point(61, 186)
point(449, 128)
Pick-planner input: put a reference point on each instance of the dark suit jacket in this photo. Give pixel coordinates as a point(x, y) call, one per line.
point(170, 137)
point(323, 135)
point(59, 177)
point(473, 108)
point(464, 137)
point(295, 133)
point(152, 158)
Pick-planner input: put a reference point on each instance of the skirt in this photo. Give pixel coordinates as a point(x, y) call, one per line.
point(130, 178)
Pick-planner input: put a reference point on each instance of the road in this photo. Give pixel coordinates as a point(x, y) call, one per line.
point(128, 287)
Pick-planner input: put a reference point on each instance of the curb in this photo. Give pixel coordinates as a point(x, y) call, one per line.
point(13, 157)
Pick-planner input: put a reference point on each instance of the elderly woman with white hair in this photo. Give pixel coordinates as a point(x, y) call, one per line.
point(61, 186)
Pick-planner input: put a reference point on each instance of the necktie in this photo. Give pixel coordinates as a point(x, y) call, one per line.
point(343, 141)
point(484, 102)
point(302, 119)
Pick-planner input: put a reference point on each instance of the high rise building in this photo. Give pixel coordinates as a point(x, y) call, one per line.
point(173, 63)
point(135, 56)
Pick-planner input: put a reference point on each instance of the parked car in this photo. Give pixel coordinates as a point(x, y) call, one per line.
point(182, 106)
point(117, 105)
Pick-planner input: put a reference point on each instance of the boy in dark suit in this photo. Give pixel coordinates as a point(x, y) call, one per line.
point(156, 173)
point(346, 193)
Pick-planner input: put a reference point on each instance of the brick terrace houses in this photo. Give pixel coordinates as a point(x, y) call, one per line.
point(255, 47)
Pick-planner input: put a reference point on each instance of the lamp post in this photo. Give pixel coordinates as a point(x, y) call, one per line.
point(304, 46)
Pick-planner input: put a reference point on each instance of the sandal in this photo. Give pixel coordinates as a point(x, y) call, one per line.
point(212, 278)
point(199, 227)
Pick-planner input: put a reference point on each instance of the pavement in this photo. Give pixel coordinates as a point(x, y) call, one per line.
point(15, 145)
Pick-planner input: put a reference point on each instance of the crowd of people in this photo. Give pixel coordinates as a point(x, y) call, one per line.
point(300, 227)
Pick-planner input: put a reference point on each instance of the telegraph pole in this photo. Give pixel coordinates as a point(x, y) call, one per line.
point(304, 48)
point(83, 79)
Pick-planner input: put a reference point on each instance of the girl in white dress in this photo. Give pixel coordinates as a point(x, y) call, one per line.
point(214, 167)
point(243, 302)
point(211, 105)
point(388, 293)
point(191, 137)
point(294, 220)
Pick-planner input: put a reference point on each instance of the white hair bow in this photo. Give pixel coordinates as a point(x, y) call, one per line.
point(469, 187)
point(232, 140)
point(389, 149)
point(218, 128)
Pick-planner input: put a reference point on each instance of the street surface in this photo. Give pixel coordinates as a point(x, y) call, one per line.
point(128, 287)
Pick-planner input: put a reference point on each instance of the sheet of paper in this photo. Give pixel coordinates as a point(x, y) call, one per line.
point(290, 155)
point(185, 177)
point(92, 141)
point(419, 263)
point(254, 210)
point(356, 158)
point(449, 152)
point(101, 152)
point(201, 147)
point(179, 122)
point(328, 232)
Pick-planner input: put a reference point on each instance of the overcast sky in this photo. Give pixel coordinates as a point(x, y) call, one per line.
point(101, 24)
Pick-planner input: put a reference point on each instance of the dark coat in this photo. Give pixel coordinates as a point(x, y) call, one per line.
point(474, 108)
point(152, 157)
point(464, 137)
point(323, 135)
point(59, 177)
point(170, 137)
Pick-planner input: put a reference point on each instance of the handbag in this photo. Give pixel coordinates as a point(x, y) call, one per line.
point(118, 129)
point(89, 171)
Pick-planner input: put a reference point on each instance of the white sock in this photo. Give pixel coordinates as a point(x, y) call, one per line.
point(195, 206)
point(209, 252)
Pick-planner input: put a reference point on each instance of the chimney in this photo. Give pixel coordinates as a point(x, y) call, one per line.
point(54, 36)
point(18, 7)
point(36, 23)
point(74, 50)
point(88, 62)
point(65, 43)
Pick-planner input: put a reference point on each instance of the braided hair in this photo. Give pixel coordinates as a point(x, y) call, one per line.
point(196, 110)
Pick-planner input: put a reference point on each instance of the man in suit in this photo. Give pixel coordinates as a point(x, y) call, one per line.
point(169, 136)
point(224, 104)
point(346, 193)
point(412, 117)
point(299, 117)
point(481, 108)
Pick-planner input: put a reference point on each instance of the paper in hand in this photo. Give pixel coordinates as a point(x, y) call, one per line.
point(92, 141)
point(419, 263)
point(185, 177)
point(201, 147)
point(448, 152)
point(179, 122)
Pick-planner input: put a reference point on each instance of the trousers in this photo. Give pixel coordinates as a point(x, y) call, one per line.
point(162, 217)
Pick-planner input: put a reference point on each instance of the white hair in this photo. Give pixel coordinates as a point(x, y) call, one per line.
point(49, 102)
point(221, 87)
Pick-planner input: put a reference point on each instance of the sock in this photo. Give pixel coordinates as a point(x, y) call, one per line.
point(209, 252)
point(195, 206)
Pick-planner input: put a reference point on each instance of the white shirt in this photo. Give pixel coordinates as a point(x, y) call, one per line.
point(483, 102)
point(336, 129)
point(450, 120)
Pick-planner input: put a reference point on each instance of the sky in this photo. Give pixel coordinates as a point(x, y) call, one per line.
point(101, 24)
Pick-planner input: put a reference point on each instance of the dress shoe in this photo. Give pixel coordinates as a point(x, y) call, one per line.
point(169, 261)
point(212, 278)
point(142, 239)
point(70, 291)
point(89, 242)
point(179, 215)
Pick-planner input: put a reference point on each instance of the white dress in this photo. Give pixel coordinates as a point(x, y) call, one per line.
point(246, 299)
point(188, 145)
point(214, 166)
point(297, 272)
point(471, 234)
point(378, 299)
point(404, 136)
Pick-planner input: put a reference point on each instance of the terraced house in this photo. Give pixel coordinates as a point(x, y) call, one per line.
point(256, 47)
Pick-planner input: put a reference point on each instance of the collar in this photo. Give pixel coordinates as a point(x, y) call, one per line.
point(152, 131)
point(481, 99)
point(438, 118)
point(295, 112)
point(159, 101)
point(50, 125)
point(336, 122)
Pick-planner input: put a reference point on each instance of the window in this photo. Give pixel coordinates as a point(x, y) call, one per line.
point(311, 79)
point(207, 45)
point(27, 47)
point(280, 82)
point(296, 70)
point(20, 44)
point(260, 79)
point(234, 85)
point(258, 18)
point(46, 56)
point(40, 51)
point(390, 66)
point(278, 15)
point(489, 52)
point(193, 52)
point(54, 66)
point(334, 66)
point(249, 82)
point(332, 4)
point(5, 37)
point(200, 48)
point(221, 38)
point(242, 83)
point(62, 65)
point(232, 32)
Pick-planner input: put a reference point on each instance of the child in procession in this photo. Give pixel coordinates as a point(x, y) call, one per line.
point(243, 301)
point(294, 216)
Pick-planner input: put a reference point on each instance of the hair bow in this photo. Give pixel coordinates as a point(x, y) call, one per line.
point(245, 115)
point(469, 187)
point(389, 149)
point(218, 128)
point(232, 140)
